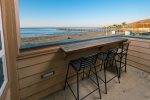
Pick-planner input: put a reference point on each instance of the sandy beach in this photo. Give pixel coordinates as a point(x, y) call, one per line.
point(32, 40)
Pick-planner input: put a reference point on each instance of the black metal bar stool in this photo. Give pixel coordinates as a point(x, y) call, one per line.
point(81, 64)
point(108, 60)
point(122, 56)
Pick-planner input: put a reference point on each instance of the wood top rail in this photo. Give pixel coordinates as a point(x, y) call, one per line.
point(72, 47)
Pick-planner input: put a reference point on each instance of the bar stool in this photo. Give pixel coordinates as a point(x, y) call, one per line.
point(122, 55)
point(81, 64)
point(108, 60)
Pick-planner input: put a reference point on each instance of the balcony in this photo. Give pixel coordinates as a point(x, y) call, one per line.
point(31, 65)
point(26, 68)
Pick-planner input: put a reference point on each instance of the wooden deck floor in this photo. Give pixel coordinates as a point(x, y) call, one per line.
point(135, 85)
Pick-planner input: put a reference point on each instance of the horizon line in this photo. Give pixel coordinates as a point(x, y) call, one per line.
point(59, 26)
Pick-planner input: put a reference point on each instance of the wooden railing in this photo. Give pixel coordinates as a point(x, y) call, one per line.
point(139, 54)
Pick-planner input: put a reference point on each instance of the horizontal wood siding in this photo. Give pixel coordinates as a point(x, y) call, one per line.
point(28, 81)
point(28, 91)
point(35, 69)
point(139, 60)
point(139, 54)
point(31, 69)
point(46, 92)
point(40, 59)
point(138, 65)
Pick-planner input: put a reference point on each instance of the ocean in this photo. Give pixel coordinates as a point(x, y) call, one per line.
point(38, 32)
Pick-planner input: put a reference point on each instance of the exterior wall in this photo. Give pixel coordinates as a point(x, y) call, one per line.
point(30, 70)
point(139, 54)
point(31, 67)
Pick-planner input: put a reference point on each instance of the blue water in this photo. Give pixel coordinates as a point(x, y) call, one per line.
point(38, 32)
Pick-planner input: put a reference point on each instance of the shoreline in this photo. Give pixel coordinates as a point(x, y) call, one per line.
point(42, 39)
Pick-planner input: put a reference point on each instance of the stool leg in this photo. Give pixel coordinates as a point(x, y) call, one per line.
point(66, 77)
point(117, 71)
point(97, 83)
point(101, 66)
point(105, 78)
point(83, 75)
point(77, 86)
point(125, 62)
point(120, 66)
point(89, 72)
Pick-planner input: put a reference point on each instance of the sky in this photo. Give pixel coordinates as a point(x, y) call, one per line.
point(81, 13)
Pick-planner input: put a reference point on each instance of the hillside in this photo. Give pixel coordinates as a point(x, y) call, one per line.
point(140, 24)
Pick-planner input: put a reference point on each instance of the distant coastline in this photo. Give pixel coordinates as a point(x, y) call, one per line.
point(63, 27)
point(54, 31)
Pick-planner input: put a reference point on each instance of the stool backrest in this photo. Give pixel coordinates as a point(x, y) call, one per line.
point(111, 53)
point(88, 61)
point(125, 47)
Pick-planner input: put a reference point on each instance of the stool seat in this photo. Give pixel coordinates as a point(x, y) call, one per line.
point(107, 55)
point(102, 56)
point(76, 64)
point(120, 51)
